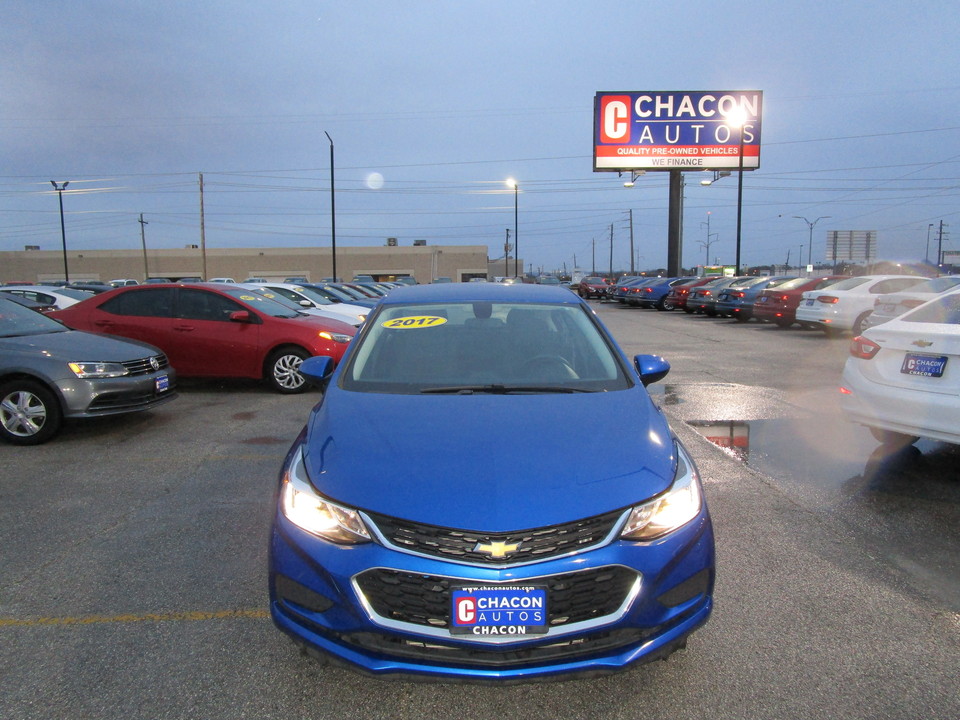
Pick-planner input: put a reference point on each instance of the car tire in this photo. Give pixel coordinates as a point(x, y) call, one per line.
point(283, 370)
point(858, 324)
point(783, 323)
point(893, 440)
point(30, 413)
point(665, 304)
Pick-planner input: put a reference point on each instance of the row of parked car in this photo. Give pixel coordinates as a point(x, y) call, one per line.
point(57, 363)
point(902, 377)
point(833, 303)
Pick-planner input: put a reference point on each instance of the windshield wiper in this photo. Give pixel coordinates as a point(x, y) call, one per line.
point(496, 389)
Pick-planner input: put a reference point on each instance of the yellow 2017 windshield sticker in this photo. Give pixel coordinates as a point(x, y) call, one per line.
point(414, 321)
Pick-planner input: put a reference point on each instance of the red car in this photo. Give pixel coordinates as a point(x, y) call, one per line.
point(679, 294)
point(779, 305)
point(592, 286)
point(214, 330)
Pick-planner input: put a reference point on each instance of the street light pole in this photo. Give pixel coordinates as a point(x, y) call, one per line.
point(63, 231)
point(333, 211)
point(811, 225)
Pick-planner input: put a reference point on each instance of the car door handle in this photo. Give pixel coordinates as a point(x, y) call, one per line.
point(184, 328)
point(103, 323)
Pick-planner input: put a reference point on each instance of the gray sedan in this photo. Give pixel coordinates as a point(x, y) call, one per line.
point(48, 373)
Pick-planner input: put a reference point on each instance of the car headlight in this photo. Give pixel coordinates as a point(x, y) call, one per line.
point(671, 510)
point(302, 506)
point(336, 337)
point(97, 369)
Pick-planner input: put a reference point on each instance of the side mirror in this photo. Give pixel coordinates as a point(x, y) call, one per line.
point(241, 316)
point(317, 370)
point(652, 368)
point(306, 303)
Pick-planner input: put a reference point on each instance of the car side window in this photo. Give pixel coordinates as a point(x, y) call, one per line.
point(894, 285)
point(203, 305)
point(153, 302)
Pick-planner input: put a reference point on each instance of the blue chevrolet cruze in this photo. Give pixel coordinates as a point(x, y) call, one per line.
point(444, 514)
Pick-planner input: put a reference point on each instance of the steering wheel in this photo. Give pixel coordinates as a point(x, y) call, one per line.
point(548, 367)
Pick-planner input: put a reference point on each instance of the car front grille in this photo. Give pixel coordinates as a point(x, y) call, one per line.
point(145, 366)
point(461, 545)
point(426, 599)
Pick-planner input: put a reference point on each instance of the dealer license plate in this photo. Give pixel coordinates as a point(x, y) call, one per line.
point(498, 611)
point(923, 365)
point(809, 303)
point(163, 383)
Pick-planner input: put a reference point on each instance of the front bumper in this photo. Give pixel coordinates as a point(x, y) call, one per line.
point(386, 612)
point(97, 397)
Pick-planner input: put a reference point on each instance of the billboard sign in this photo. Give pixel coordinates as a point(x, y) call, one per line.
point(858, 246)
point(676, 130)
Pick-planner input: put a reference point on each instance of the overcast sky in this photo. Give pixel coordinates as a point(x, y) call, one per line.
point(432, 105)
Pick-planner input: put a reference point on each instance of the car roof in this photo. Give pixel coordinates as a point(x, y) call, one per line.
point(480, 292)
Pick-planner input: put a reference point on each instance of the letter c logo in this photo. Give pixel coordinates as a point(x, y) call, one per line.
point(466, 611)
point(615, 119)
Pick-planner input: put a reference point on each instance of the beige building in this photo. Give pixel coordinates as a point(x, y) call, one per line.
point(423, 262)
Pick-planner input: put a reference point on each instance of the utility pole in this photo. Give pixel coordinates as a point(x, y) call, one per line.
point(632, 268)
point(143, 243)
point(940, 248)
point(203, 236)
point(593, 257)
point(506, 255)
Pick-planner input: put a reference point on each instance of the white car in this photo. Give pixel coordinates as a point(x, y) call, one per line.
point(886, 307)
point(223, 280)
point(313, 302)
point(123, 282)
point(844, 306)
point(59, 297)
point(902, 379)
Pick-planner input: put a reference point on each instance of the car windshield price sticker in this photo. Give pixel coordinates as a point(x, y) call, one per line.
point(923, 365)
point(499, 611)
point(414, 321)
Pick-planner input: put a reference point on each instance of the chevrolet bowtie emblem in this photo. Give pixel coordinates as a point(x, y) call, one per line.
point(497, 549)
point(921, 343)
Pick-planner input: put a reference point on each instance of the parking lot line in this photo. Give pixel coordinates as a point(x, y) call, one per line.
point(129, 618)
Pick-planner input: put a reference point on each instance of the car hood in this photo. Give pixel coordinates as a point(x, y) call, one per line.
point(76, 345)
point(489, 462)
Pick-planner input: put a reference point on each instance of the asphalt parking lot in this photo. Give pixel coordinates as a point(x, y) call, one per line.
point(134, 563)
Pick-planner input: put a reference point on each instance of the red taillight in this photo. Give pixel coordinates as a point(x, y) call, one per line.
point(863, 348)
point(784, 298)
point(737, 294)
point(648, 289)
point(828, 299)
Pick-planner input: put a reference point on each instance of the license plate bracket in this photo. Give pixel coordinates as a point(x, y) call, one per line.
point(162, 383)
point(923, 365)
point(489, 610)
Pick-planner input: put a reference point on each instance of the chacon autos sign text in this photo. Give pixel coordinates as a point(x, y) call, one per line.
point(677, 130)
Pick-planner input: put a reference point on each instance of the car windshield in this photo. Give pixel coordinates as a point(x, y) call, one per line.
point(936, 285)
point(944, 310)
point(484, 347)
point(16, 321)
point(593, 281)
